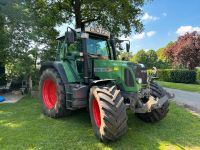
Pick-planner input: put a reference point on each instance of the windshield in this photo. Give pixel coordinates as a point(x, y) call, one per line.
point(97, 47)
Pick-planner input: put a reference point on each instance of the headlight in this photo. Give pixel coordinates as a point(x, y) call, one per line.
point(139, 80)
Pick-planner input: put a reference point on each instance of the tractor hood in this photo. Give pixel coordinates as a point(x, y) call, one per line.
point(125, 73)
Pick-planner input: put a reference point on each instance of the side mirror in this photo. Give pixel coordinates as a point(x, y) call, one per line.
point(127, 47)
point(70, 36)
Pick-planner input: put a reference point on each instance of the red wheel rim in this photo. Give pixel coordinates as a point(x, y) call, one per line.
point(49, 93)
point(96, 113)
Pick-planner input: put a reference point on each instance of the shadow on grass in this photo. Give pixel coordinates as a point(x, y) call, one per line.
point(22, 126)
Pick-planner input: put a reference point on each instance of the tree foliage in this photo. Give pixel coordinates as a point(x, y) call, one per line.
point(185, 52)
point(161, 52)
point(149, 59)
point(119, 16)
point(3, 44)
point(21, 50)
point(124, 56)
point(140, 57)
point(3, 35)
point(152, 58)
point(163, 62)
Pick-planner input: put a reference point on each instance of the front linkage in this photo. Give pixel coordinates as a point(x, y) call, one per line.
point(151, 103)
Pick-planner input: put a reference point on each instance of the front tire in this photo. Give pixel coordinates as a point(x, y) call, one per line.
point(52, 94)
point(156, 114)
point(107, 113)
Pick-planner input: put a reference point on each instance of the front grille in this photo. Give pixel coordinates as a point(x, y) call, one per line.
point(139, 72)
point(128, 77)
point(144, 76)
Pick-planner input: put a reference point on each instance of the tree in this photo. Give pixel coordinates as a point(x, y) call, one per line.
point(23, 40)
point(152, 59)
point(161, 52)
point(140, 57)
point(149, 59)
point(119, 16)
point(125, 56)
point(3, 44)
point(3, 35)
point(163, 62)
point(185, 52)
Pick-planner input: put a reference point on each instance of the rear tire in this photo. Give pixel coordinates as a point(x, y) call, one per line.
point(156, 114)
point(107, 113)
point(52, 94)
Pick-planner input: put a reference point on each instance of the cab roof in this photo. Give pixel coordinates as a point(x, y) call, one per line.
point(90, 30)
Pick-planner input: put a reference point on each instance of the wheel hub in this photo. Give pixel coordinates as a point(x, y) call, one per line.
point(49, 93)
point(96, 113)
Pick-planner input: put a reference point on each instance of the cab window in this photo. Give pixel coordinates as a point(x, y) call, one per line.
point(98, 47)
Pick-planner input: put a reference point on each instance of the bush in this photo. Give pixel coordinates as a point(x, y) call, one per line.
point(177, 75)
point(198, 76)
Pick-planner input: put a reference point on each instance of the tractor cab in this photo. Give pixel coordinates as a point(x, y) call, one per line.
point(92, 54)
point(96, 40)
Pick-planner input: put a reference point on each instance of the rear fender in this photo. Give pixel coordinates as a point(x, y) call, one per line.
point(60, 69)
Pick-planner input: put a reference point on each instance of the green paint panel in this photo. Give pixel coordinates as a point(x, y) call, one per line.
point(69, 72)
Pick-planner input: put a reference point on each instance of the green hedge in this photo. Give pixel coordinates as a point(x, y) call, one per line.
point(177, 75)
point(198, 76)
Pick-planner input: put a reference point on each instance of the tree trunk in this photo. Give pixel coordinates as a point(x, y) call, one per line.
point(30, 83)
point(77, 10)
point(36, 57)
point(2, 74)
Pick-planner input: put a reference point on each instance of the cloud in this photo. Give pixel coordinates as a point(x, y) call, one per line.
point(139, 36)
point(187, 29)
point(143, 35)
point(147, 17)
point(164, 14)
point(151, 33)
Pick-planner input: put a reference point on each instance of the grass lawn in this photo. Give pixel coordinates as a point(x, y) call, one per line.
point(181, 86)
point(23, 126)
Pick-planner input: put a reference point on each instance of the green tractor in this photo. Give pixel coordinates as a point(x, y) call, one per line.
point(87, 74)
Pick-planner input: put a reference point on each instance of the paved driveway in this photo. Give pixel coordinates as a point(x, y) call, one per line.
point(188, 99)
point(12, 97)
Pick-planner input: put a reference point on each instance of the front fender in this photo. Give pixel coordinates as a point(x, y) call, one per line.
point(102, 82)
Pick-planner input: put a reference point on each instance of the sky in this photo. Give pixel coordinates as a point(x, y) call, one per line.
point(164, 21)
